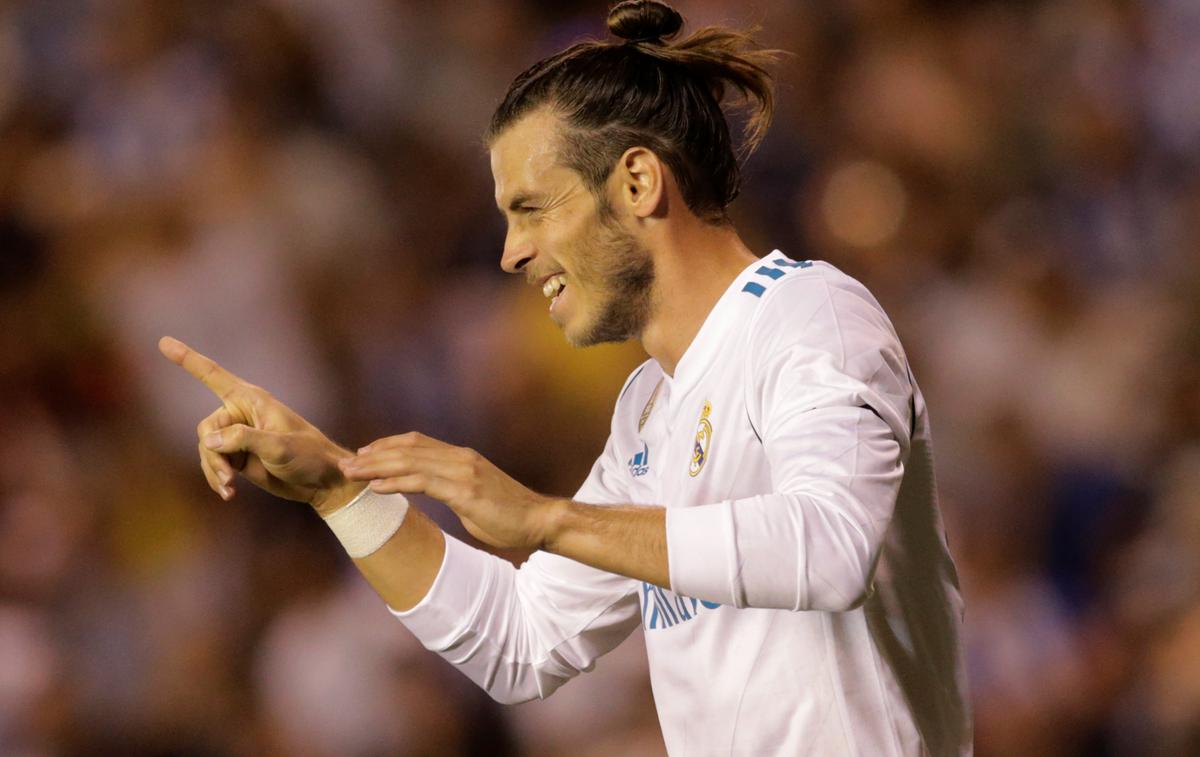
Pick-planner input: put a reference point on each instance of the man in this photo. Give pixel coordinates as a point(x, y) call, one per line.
point(765, 504)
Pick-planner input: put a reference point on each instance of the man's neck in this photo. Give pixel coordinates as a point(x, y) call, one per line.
point(694, 266)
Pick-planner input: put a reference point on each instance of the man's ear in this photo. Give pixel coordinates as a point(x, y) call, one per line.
point(641, 182)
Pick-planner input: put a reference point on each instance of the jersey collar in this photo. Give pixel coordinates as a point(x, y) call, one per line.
point(729, 315)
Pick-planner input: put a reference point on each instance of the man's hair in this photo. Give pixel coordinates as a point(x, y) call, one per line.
point(650, 92)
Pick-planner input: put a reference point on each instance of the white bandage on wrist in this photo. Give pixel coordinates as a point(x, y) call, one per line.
point(367, 521)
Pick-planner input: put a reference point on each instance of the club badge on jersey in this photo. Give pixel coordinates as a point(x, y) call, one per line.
point(704, 432)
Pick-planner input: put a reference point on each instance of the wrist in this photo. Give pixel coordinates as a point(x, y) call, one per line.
point(333, 498)
point(368, 522)
point(557, 522)
point(334, 490)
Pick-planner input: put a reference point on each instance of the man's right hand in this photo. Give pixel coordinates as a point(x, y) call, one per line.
point(269, 443)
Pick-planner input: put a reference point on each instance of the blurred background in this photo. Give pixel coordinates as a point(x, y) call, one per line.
point(298, 188)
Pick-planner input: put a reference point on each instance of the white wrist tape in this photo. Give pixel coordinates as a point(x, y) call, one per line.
point(367, 521)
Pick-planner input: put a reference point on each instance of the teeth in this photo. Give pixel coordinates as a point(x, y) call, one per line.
point(554, 285)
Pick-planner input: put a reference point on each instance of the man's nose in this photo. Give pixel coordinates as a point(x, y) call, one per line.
point(518, 251)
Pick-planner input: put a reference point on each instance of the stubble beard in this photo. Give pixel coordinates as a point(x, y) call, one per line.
point(625, 269)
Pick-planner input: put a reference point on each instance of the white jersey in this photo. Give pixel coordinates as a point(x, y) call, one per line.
point(813, 606)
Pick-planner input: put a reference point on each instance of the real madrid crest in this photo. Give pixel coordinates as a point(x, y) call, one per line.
point(704, 432)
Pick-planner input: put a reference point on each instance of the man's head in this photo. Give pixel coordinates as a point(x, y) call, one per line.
point(568, 239)
point(587, 143)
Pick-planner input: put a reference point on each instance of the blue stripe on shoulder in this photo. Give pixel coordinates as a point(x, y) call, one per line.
point(793, 263)
point(774, 274)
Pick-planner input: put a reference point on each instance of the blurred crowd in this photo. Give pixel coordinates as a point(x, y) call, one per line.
point(299, 189)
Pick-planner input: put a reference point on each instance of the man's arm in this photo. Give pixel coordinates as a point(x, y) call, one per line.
point(403, 569)
point(518, 634)
point(269, 444)
point(809, 546)
point(629, 540)
point(277, 450)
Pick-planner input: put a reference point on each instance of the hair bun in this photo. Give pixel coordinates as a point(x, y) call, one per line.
point(644, 21)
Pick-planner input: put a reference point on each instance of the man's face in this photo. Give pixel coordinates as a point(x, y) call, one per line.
point(560, 234)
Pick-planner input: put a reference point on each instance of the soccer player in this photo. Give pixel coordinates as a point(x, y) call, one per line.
point(765, 503)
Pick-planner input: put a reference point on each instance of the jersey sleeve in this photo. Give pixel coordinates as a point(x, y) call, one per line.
point(828, 392)
point(521, 633)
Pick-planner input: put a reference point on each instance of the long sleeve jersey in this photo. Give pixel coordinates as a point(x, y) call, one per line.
point(813, 606)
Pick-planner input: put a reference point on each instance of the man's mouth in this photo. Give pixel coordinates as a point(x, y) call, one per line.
point(554, 285)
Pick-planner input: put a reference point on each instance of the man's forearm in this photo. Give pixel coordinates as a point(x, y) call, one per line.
point(630, 540)
point(404, 568)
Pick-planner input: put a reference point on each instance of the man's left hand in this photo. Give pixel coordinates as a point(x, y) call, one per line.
point(494, 507)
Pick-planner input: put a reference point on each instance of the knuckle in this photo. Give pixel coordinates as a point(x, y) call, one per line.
point(475, 460)
point(206, 425)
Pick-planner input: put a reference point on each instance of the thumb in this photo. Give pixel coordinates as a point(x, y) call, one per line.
point(266, 445)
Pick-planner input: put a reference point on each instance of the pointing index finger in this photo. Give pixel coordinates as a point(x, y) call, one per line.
point(220, 381)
